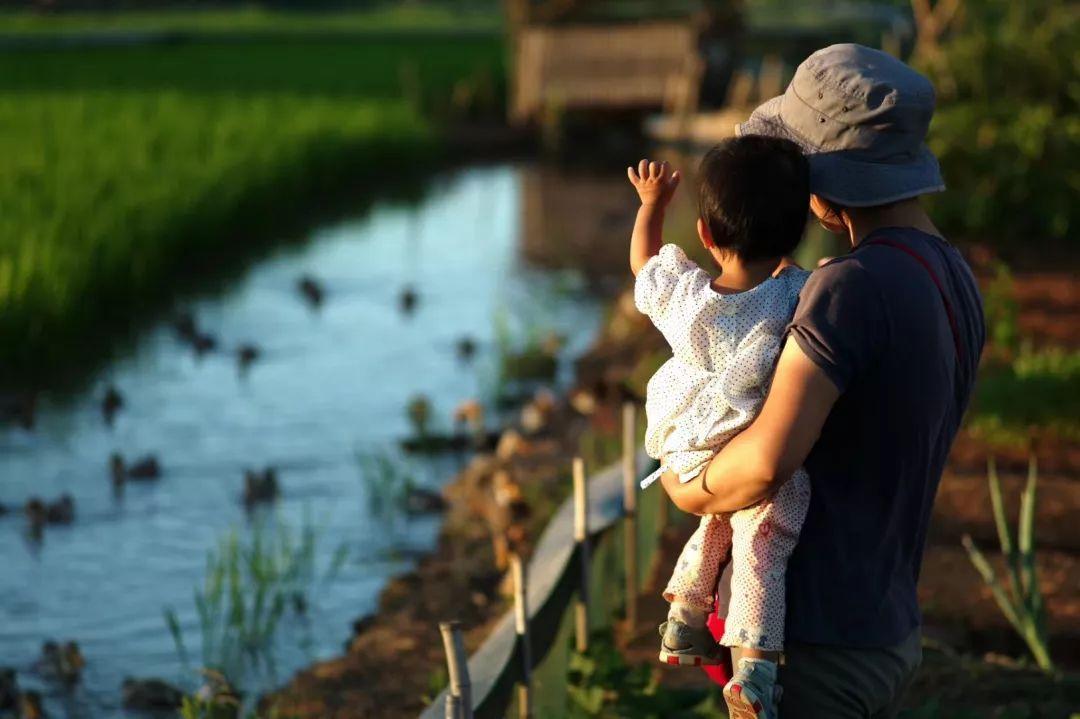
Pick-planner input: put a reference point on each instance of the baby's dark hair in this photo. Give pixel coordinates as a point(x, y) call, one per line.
point(755, 195)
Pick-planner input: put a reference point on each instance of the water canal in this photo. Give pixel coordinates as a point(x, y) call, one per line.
point(330, 385)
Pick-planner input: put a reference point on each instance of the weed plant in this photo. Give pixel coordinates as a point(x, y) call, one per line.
point(249, 589)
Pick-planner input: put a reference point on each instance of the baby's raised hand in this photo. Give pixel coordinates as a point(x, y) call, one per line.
point(654, 181)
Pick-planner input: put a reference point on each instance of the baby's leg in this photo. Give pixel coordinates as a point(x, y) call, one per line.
point(763, 538)
point(692, 587)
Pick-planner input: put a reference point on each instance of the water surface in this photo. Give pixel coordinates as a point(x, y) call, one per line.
point(329, 384)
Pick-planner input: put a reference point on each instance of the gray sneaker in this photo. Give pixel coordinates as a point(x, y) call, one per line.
point(683, 645)
point(752, 693)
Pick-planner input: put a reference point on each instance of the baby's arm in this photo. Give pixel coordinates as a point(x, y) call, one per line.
point(655, 186)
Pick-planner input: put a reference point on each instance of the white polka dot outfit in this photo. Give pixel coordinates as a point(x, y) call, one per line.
point(725, 349)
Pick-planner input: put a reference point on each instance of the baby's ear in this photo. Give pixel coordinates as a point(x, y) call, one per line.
point(705, 234)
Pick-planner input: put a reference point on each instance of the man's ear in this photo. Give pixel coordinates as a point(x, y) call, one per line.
point(705, 234)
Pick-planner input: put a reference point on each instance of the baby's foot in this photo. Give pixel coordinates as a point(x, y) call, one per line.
point(683, 645)
point(752, 692)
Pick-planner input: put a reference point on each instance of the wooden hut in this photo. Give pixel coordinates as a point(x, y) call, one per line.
point(614, 54)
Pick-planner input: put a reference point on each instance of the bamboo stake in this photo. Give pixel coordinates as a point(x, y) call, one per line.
point(521, 625)
point(630, 543)
point(459, 699)
point(581, 536)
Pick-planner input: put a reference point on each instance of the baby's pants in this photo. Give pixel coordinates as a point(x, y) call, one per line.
point(759, 540)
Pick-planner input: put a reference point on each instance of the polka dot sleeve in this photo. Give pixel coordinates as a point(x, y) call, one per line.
point(675, 294)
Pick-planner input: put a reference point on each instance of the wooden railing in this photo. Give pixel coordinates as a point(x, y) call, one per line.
point(558, 573)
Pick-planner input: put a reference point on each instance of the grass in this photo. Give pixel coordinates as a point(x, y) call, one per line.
point(1036, 388)
point(254, 18)
point(248, 589)
point(128, 168)
point(602, 684)
point(388, 482)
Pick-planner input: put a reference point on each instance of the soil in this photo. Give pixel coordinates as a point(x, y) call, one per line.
point(395, 663)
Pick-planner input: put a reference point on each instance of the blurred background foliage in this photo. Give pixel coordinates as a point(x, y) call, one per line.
point(1007, 131)
point(125, 161)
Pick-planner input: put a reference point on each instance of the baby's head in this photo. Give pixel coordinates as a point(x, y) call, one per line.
point(753, 198)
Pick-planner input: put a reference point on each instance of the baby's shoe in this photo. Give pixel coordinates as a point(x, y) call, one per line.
point(683, 645)
point(752, 693)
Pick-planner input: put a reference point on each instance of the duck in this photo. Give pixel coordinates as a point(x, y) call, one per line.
point(311, 290)
point(260, 487)
point(537, 414)
point(506, 514)
point(9, 690)
point(40, 512)
point(31, 707)
point(466, 349)
point(117, 470)
point(470, 415)
point(186, 327)
point(408, 300)
point(62, 511)
point(204, 342)
point(64, 662)
point(419, 413)
point(424, 501)
point(220, 695)
point(144, 469)
point(3, 509)
point(20, 407)
point(246, 354)
point(150, 695)
point(35, 514)
point(111, 403)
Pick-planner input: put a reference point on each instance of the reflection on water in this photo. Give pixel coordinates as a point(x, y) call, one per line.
point(328, 383)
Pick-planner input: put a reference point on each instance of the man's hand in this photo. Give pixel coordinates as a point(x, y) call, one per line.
point(763, 456)
point(654, 182)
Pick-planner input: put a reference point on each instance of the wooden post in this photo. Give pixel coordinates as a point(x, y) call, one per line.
point(521, 626)
point(459, 698)
point(630, 488)
point(581, 536)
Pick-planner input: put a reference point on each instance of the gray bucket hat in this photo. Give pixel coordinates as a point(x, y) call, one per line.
point(861, 117)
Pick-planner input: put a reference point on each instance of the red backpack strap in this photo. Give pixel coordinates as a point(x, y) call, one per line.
point(937, 283)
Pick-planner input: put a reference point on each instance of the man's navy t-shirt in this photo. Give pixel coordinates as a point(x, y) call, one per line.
point(874, 321)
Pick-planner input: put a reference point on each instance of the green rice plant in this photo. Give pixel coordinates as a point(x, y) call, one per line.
point(217, 20)
point(1021, 601)
point(419, 411)
point(130, 172)
point(248, 589)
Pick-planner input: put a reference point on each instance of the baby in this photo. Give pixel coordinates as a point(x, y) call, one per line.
point(725, 334)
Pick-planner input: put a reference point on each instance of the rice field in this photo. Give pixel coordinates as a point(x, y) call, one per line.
point(229, 21)
point(128, 168)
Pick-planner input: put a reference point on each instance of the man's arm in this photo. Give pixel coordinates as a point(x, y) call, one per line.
point(655, 186)
point(765, 455)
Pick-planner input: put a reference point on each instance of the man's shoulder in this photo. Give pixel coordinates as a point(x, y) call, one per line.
point(850, 274)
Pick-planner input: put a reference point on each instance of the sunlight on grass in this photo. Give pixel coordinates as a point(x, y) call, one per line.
point(1038, 388)
point(127, 168)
